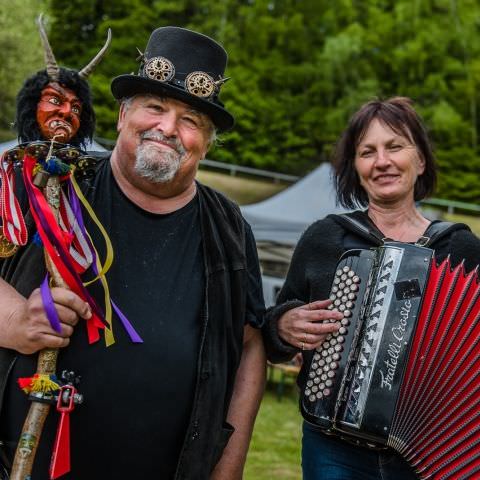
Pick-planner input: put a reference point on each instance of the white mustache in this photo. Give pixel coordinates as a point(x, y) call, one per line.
point(154, 135)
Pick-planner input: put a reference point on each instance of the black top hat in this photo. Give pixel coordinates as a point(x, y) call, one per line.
point(182, 64)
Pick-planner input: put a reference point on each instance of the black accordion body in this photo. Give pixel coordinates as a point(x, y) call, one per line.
point(402, 371)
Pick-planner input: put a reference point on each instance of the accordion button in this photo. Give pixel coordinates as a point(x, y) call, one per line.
point(312, 398)
point(307, 392)
point(340, 339)
point(334, 365)
point(347, 313)
point(338, 272)
point(349, 304)
point(336, 280)
point(343, 277)
point(356, 279)
point(314, 389)
point(324, 377)
point(345, 321)
point(327, 392)
point(332, 298)
point(351, 273)
point(316, 381)
point(345, 300)
point(341, 307)
point(334, 289)
point(354, 288)
point(346, 268)
point(337, 302)
point(330, 374)
point(351, 296)
point(336, 357)
point(348, 282)
point(321, 362)
point(342, 330)
point(319, 395)
point(341, 285)
point(338, 348)
point(309, 383)
point(311, 374)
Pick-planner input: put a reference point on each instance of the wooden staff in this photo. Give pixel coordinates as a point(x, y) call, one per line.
point(47, 363)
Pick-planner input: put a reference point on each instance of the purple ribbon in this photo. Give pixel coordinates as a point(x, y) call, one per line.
point(64, 255)
point(77, 211)
point(49, 306)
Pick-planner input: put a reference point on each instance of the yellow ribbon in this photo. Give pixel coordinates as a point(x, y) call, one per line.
point(102, 270)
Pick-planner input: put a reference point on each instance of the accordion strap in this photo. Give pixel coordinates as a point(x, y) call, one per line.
point(360, 223)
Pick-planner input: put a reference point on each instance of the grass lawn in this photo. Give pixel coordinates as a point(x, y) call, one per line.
point(241, 189)
point(472, 221)
point(275, 448)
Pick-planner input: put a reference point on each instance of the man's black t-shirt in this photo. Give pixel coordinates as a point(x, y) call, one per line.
point(157, 280)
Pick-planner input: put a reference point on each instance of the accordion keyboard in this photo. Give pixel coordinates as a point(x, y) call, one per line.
point(325, 377)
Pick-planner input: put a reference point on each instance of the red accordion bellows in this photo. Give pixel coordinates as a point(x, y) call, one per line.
point(436, 426)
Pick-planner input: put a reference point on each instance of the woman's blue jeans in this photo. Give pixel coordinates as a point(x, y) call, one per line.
point(329, 458)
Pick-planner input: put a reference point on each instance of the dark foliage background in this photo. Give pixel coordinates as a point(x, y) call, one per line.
point(299, 69)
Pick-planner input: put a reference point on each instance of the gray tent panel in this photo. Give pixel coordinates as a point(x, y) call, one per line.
point(284, 217)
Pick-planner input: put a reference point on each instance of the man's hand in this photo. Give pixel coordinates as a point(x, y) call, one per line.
point(303, 326)
point(27, 329)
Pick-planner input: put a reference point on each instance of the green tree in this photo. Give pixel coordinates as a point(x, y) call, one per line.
point(20, 54)
point(300, 68)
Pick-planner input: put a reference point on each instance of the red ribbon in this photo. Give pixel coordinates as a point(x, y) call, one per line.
point(13, 224)
point(57, 246)
point(60, 462)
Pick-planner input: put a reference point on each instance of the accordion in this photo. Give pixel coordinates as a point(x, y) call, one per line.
point(403, 369)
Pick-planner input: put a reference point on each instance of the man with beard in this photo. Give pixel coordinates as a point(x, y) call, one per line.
point(182, 403)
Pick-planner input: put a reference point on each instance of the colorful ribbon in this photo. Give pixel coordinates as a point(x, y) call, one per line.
point(70, 247)
point(57, 248)
point(13, 223)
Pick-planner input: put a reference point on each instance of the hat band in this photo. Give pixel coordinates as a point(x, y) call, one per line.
point(199, 84)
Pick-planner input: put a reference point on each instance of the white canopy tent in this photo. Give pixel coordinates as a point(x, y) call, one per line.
point(283, 217)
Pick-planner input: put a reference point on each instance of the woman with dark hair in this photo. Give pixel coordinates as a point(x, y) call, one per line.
point(383, 164)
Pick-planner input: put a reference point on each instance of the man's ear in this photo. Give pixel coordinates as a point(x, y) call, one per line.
point(121, 116)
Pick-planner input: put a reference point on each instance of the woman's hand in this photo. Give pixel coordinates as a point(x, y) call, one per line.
point(303, 326)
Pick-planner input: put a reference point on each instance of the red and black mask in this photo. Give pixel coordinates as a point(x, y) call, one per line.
point(35, 105)
point(58, 113)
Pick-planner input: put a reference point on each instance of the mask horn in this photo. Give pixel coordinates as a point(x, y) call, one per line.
point(86, 71)
point(50, 62)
